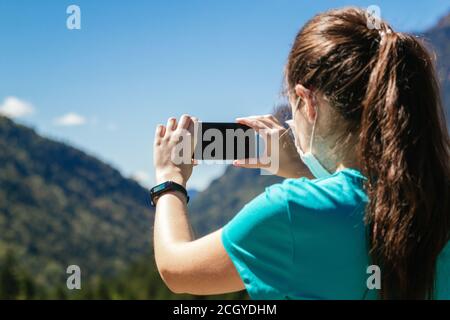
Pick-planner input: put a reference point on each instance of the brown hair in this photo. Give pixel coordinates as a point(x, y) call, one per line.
point(383, 84)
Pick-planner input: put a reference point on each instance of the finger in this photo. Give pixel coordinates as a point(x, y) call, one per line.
point(159, 134)
point(185, 121)
point(250, 117)
point(194, 162)
point(258, 117)
point(171, 125)
point(251, 163)
point(193, 125)
point(252, 123)
point(270, 121)
point(160, 129)
point(194, 120)
point(193, 130)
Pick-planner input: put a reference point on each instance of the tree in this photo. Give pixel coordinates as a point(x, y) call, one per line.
point(9, 278)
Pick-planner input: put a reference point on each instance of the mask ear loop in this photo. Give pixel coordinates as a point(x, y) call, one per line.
point(289, 122)
point(314, 125)
point(296, 105)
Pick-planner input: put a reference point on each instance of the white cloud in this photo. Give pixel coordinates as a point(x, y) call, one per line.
point(70, 119)
point(13, 107)
point(142, 177)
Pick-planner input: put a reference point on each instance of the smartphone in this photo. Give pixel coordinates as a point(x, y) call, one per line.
point(223, 141)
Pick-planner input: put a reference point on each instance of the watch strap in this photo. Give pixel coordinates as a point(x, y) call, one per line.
point(164, 187)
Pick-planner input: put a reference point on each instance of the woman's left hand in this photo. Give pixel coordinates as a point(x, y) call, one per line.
point(169, 165)
point(289, 164)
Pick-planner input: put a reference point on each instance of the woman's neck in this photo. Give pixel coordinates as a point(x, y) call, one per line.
point(335, 159)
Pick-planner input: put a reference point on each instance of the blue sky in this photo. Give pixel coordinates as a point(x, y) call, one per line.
point(135, 63)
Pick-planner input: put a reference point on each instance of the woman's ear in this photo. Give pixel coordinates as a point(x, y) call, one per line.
point(309, 102)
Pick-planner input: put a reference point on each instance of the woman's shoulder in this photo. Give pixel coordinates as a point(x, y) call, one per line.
point(343, 190)
point(340, 193)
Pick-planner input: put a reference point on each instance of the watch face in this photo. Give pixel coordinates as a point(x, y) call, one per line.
point(160, 187)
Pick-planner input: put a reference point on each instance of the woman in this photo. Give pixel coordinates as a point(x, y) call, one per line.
point(372, 189)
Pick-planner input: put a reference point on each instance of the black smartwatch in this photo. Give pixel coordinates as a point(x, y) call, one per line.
point(158, 190)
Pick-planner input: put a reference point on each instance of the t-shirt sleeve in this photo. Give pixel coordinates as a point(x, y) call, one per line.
point(259, 242)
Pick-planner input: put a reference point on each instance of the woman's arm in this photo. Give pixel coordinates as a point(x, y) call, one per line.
point(186, 265)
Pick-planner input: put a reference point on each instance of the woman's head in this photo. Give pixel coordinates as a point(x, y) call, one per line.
point(375, 97)
point(331, 62)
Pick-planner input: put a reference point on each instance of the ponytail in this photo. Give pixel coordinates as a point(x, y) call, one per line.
point(405, 155)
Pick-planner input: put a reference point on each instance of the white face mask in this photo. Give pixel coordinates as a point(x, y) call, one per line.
point(308, 158)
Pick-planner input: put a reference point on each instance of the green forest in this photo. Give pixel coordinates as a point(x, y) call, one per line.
point(140, 282)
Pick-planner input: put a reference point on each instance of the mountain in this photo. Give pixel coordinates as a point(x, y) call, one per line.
point(439, 38)
point(60, 206)
point(215, 206)
point(192, 193)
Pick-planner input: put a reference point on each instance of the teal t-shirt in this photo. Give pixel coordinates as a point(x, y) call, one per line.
point(306, 239)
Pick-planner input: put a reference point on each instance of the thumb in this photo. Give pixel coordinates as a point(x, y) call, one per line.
point(250, 163)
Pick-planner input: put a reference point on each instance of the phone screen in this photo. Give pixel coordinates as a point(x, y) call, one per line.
point(224, 141)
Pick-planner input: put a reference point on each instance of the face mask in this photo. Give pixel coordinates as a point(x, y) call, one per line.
point(308, 158)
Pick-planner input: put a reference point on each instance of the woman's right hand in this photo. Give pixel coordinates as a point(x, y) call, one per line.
point(289, 163)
